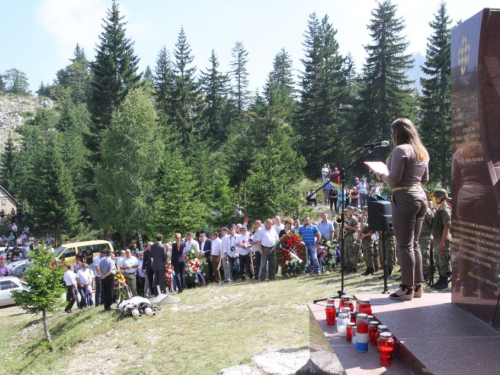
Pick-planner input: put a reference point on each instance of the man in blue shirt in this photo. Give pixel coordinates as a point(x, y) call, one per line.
point(326, 191)
point(311, 237)
point(326, 228)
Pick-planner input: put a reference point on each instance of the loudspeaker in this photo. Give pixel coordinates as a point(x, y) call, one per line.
point(379, 214)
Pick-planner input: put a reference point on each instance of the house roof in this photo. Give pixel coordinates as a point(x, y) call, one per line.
point(9, 195)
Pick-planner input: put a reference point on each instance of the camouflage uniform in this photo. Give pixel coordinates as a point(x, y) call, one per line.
point(425, 240)
point(390, 249)
point(376, 253)
point(442, 258)
point(352, 250)
point(367, 245)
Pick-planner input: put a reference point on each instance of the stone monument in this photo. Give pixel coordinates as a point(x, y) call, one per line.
point(475, 102)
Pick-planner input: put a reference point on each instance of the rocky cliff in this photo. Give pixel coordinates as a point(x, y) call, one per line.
point(15, 110)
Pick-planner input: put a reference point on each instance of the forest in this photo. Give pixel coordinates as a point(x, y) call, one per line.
point(176, 147)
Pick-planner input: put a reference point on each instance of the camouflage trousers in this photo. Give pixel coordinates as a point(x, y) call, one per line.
point(351, 251)
point(367, 246)
point(425, 248)
point(442, 258)
point(376, 254)
point(390, 250)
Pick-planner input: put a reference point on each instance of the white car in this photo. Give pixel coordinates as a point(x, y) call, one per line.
point(7, 285)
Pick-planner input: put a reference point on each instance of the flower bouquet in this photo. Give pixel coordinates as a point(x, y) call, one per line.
point(196, 269)
point(121, 290)
point(291, 254)
point(326, 254)
point(170, 277)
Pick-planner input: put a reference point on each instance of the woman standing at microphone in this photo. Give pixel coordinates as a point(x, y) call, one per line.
point(408, 166)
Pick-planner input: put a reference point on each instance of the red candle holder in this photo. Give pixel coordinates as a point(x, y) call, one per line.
point(331, 314)
point(352, 316)
point(349, 331)
point(372, 332)
point(385, 345)
point(349, 304)
point(343, 299)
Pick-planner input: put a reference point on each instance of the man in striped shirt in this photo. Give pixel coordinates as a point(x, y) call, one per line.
point(311, 237)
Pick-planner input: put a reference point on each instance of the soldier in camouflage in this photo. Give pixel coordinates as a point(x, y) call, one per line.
point(352, 251)
point(390, 252)
point(426, 239)
point(441, 224)
point(367, 245)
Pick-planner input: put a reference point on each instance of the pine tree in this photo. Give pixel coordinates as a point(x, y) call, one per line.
point(114, 75)
point(280, 87)
point(16, 82)
point(385, 95)
point(239, 74)
point(7, 165)
point(214, 88)
point(52, 194)
point(163, 80)
point(323, 92)
point(436, 100)
point(186, 103)
point(78, 73)
point(131, 156)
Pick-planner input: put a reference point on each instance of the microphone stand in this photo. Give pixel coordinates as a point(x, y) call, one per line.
point(342, 239)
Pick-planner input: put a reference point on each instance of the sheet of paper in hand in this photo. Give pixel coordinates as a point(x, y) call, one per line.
point(377, 167)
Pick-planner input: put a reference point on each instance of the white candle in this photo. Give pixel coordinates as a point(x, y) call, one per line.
point(342, 330)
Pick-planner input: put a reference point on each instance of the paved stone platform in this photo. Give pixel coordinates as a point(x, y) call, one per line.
point(434, 337)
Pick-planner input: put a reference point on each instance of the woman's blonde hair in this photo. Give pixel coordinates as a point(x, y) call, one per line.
point(178, 238)
point(404, 132)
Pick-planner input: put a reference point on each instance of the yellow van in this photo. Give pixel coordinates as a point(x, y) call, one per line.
point(68, 251)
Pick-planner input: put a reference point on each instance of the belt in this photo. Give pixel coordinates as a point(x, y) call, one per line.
point(267, 247)
point(414, 187)
point(129, 273)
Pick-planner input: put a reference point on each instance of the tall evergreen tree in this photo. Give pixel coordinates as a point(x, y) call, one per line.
point(239, 74)
point(52, 194)
point(214, 87)
point(186, 103)
point(114, 75)
point(163, 80)
point(7, 165)
point(436, 99)
point(385, 95)
point(131, 156)
point(323, 91)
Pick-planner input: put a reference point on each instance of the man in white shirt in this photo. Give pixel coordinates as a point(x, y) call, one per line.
point(244, 247)
point(70, 282)
point(266, 240)
point(215, 256)
point(278, 227)
point(224, 247)
point(119, 260)
point(231, 253)
point(84, 280)
point(190, 243)
point(257, 225)
point(129, 266)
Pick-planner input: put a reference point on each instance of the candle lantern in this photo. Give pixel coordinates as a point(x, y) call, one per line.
point(385, 344)
point(353, 339)
point(349, 331)
point(352, 316)
point(330, 301)
point(349, 304)
point(343, 299)
point(345, 310)
point(372, 332)
point(362, 333)
point(331, 313)
point(342, 321)
point(381, 328)
point(365, 306)
point(370, 318)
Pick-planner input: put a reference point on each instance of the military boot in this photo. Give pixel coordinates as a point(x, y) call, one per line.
point(369, 271)
point(442, 283)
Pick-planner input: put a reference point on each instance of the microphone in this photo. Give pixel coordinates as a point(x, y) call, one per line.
point(377, 144)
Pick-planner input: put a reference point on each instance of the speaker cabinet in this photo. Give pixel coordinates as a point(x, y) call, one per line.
point(379, 214)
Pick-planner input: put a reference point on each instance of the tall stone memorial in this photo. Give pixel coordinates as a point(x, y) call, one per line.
point(475, 100)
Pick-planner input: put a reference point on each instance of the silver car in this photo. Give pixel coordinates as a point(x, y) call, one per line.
point(7, 285)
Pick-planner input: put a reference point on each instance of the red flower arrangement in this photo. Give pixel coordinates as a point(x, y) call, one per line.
point(291, 254)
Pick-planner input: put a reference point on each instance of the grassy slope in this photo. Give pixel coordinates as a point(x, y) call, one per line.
point(211, 328)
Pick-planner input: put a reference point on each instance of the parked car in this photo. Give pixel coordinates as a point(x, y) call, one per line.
point(69, 250)
point(19, 269)
point(7, 285)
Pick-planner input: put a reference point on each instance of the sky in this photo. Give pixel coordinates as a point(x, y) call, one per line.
point(38, 37)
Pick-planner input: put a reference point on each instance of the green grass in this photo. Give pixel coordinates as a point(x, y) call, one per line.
point(210, 329)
